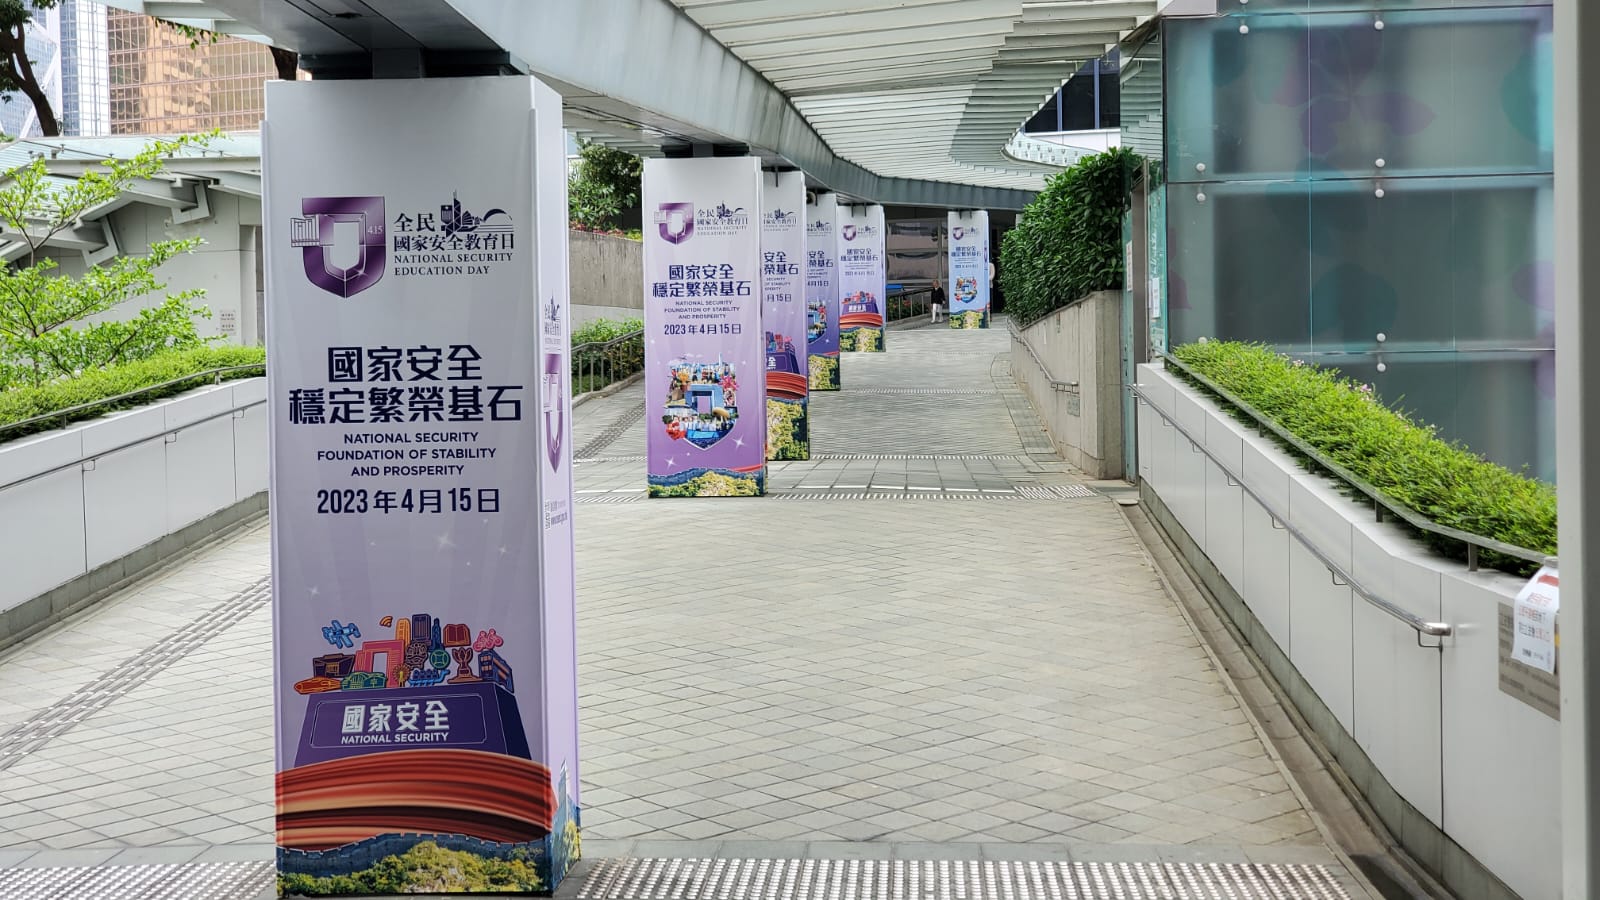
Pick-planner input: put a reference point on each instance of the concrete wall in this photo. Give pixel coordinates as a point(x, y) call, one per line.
point(607, 277)
point(225, 265)
point(1458, 748)
point(1080, 345)
point(81, 499)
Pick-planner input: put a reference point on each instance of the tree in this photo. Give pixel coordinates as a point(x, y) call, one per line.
point(605, 185)
point(42, 335)
point(16, 69)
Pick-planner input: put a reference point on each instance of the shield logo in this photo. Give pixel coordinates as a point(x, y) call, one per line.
point(848, 232)
point(555, 422)
point(315, 235)
point(957, 233)
point(675, 221)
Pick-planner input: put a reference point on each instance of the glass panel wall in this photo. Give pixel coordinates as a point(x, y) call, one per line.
point(1340, 171)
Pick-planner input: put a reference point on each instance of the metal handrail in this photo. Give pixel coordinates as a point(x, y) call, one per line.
point(1380, 500)
point(1056, 383)
point(921, 303)
point(592, 358)
point(1280, 520)
point(214, 374)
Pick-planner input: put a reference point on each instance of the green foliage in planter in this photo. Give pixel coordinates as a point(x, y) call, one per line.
point(21, 403)
point(1443, 481)
point(1069, 242)
point(597, 363)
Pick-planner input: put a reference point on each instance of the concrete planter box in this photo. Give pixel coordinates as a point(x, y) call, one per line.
point(1463, 767)
point(91, 504)
point(1069, 364)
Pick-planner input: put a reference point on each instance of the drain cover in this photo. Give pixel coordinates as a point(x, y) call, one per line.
point(857, 879)
point(191, 881)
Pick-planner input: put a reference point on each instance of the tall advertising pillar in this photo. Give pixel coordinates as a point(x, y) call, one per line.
point(861, 279)
point(702, 318)
point(421, 486)
point(822, 292)
point(783, 268)
point(969, 269)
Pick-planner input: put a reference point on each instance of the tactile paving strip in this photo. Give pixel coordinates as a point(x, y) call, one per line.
point(855, 879)
point(188, 881)
point(941, 392)
point(39, 728)
point(618, 427)
point(898, 456)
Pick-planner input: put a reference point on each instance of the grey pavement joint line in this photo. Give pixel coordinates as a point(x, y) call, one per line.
point(627, 878)
point(618, 427)
point(59, 717)
point(190, 881)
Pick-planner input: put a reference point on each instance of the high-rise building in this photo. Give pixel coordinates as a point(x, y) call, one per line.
point(162, 81)
point(85, 107)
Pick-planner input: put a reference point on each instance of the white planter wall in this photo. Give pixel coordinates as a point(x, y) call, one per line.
point(1481, 765)
point(75, 499)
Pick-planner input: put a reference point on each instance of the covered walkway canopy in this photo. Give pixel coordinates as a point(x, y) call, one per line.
point(895, 101)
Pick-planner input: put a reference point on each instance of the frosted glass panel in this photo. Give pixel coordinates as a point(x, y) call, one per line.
point(1436, 263)
point(1280, 113)
point(1237, 263)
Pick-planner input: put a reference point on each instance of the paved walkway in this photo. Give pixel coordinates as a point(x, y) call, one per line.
point(932, 642)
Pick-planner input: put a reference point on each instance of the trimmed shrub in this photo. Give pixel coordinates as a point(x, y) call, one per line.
point(1069, 243)
point(18, 404)
point(1441, 480)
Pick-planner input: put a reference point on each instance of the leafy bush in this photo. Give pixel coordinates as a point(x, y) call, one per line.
point(22, 403)
point(44, 334)
point(1443, 481)
point(1069, 242)
point(601, 330)
point(597, 365)
point(604, 186)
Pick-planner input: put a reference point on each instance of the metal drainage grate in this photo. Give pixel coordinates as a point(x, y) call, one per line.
point(59, 717)
point(610, 497)
point(1055, 491)
point(856, 879)
point(941, 392)
point(190, 881)
point(579, 460)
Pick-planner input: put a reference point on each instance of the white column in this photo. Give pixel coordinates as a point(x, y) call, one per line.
point(1577, 23)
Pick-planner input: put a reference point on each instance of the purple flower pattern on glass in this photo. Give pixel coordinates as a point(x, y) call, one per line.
point(1329, 87)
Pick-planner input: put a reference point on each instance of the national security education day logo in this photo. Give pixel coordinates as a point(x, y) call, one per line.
point(677, 222)
point(454, 242)
point(957, 233)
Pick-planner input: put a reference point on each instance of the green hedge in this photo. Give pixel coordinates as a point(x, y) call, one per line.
point(1069, 242)
point(22, 403)
point(1443, 481)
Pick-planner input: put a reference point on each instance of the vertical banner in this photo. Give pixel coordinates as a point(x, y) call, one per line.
point(783, 285)
point(822, 293)
point(704, 352)
point(421, 486)
point(861, 279)
point(969, 269)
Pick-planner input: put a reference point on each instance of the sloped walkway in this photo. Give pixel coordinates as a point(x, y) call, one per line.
point(932, 642)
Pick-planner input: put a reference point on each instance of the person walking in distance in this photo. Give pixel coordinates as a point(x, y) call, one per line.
point(937, 306)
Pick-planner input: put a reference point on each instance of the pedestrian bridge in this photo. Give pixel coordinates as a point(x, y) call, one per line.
point(983, 677)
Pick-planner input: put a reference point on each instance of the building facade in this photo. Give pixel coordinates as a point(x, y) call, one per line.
point(164, 82)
